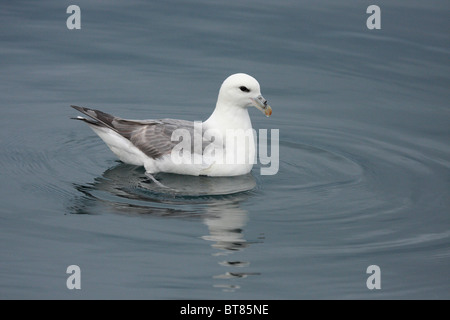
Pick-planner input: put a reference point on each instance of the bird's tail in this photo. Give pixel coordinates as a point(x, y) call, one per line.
point(98, 118)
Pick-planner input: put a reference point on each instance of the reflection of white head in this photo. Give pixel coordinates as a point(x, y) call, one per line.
point(225, 227)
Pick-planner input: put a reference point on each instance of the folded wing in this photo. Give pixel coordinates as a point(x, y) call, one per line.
point(152, 137)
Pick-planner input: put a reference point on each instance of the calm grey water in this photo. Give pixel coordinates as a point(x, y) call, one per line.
point(364, 151)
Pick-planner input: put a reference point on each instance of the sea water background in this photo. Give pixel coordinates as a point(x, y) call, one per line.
point(364, 151)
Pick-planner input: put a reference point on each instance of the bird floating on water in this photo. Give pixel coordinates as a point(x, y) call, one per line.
point(150, 143)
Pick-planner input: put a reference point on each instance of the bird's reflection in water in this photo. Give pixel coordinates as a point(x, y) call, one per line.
point(125, 189)
point(226, 232)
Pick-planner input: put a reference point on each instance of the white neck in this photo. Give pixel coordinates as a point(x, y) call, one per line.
point(226, 116)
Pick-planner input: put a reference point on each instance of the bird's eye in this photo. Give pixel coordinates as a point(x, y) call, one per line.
point(244, 89)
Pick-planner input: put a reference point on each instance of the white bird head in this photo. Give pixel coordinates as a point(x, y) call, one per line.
point(243, 91)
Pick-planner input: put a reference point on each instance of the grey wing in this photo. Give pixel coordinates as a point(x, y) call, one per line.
point(153, 137)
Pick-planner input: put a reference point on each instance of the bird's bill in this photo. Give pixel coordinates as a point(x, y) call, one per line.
point(262, 105)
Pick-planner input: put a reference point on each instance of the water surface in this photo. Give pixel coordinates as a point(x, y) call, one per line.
point(364, 151)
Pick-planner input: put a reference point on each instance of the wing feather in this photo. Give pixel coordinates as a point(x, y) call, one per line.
point(152, 137)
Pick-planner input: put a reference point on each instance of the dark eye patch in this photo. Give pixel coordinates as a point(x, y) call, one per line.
point(244, 89)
